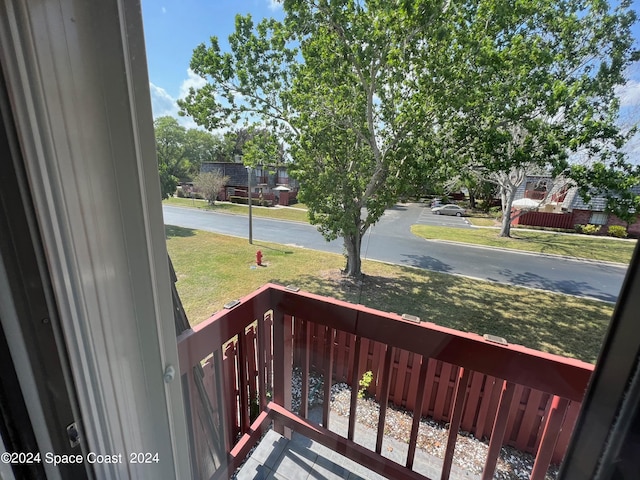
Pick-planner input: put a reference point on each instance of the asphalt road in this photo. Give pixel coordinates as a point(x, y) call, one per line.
point(391, 241)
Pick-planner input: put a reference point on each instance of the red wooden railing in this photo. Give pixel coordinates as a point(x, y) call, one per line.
point(508, 393)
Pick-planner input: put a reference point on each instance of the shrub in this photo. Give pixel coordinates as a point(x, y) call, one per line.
point(590, 229)
point(578, 227)
point(364, 383)
point(618, 231)
point(180, 192)
point(237, 199)
point(209, 184)
point(495, 212)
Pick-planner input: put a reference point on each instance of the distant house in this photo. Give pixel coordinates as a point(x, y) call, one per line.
point(563, 207)
point(267, 183)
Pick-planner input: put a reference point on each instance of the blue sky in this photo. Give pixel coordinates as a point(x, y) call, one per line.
point(173, 28)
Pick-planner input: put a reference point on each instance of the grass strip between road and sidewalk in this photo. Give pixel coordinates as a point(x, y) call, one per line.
point(579, 246)
point(280, 213)
point(214, 269)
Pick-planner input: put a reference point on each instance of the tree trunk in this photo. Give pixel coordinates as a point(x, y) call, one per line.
point(507, 197)
point(472, 200)
point(352, 244)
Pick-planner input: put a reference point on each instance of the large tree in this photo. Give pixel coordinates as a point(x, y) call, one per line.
point(173, 166)
point(535, 82)
point(201, 146)
point(181, 151)
point(348, 85)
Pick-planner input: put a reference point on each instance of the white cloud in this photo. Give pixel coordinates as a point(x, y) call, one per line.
point(163, 103)
point(629, 94)
point(275, 4)
point(193, 80)
point(164, 10)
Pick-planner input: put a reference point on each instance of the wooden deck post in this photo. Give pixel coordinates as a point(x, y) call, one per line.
point(550, 435)
point(499, 429)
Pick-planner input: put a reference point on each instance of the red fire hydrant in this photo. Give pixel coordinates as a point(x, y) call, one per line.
point(259, 257)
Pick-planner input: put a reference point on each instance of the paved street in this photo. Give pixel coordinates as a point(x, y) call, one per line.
point(391, 241)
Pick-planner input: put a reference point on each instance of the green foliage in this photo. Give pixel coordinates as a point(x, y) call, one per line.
point(578, 227)
point(495, 212)
point(615, 180)
point(590, 229)
point(180, 152)
point(617, 231)
point(550, 70)
point(364, 383)
point(338, 83)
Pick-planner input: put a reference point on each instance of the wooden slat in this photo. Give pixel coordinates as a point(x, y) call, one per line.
point(377, 366)
point(262, 363)
point(568, 425)
point(243, 384)
point(218, 368)
point(191, 405)
point(499, 429)
point(530, 419)
point(493, 403)
point(343, 446)
point(429, 406)
point(328, 375)
point(287, 371)
point(417, 410)
point(355, 378)
point(229, 381)
point(550, 435)
point(278, 364)
point(342, 356)
point(473, 402)
point(384, 396)
point(456, 418)
point(516, 412)
point(252, 362)
point(443, 399)
point(415, 362)
point(351, 340)
point(399, 394)
point(306, 352)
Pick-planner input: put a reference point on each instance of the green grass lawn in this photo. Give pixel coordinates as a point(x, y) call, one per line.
point(594, 248)
point(483, 221)
point(213, 269)
point(297, 215)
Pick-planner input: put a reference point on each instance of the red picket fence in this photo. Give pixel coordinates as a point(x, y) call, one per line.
point(545, 219)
